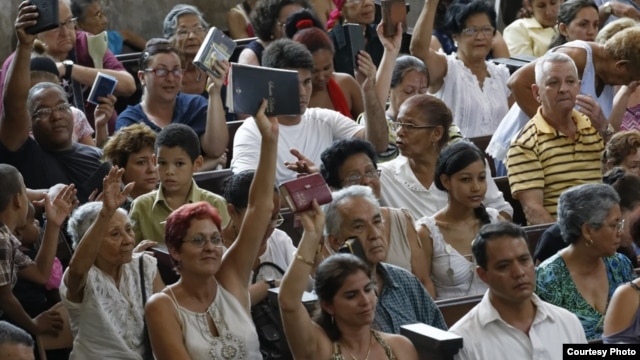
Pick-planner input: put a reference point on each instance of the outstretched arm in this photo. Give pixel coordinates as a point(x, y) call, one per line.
point(388, 62)
point(215, 139)
point(376, 130)
point(421, 46)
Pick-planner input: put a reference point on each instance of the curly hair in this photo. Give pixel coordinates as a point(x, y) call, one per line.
point(621, 145)
point(335, 155)
point(300, 20)
point(625, 45)
point(126, 141)
point(266, 13)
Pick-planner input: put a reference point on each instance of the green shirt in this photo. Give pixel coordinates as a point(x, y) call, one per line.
point(150, 211)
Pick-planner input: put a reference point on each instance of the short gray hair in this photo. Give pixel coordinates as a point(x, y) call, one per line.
point(11, 334)
point(41, 87)
point(552, 58)
point(82, 218)
point(170, 23)
point(584, 204)
point(332, 212)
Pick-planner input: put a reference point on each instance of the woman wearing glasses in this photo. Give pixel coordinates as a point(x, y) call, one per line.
point(276, 246)
point(422, 130)
point(205, 315)
point(475, 89)
point(162, 102)
point(583, 276)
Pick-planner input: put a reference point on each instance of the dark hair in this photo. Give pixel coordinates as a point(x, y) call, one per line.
point(37, 88)
point(179, 135)
point(461, 10)
point(300, 20)
point(314, 39)
point(126, 141)
point(455, 157)
point(569, 9)
point(626, 185)
point(236, 189)
point(265, 15)
point(435, 112)
point(287, 54)
point(156, 46)
point(491, 232)
point(634, 228)
point(10, 182)
point(11, 334)
point(335, 155)
point(405, 64)
point(179, 222)
point(330, 277)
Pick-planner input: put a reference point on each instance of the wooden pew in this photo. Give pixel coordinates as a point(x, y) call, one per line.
point(533, 235)
point(518, 214)
point(482, 142)
point(232, 127)
point(453, 309)
point(432, 343)
point(213, 180)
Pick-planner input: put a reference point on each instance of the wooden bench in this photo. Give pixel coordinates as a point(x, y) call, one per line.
point(455, 308)
point(482, 142)
point(533, 235)
point(431, 342)
point(130, 62)
point(518, 214)
point(213, 180)
point(232, 127)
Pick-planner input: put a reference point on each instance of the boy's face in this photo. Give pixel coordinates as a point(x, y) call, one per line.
point(175, 168)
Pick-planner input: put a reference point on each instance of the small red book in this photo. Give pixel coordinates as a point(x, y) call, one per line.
point(299, 193)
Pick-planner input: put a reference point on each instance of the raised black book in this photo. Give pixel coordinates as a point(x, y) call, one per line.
point(47, 16)
point(355, 39)
point(216, 46)
point(248, 85)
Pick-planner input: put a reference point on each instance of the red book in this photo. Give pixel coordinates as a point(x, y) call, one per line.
point(299, 193)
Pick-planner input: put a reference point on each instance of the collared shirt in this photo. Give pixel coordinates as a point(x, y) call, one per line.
point(552, 326)
point(150, 211)
point(528, 37)
point(541, 157)
point(403, 300)
point(12, 260)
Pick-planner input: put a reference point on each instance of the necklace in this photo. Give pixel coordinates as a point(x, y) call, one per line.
point(368, 350)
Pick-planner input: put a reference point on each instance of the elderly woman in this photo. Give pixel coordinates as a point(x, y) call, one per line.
point(131, 149)
point(583, 276)
point(474, 89)
point(408, 181)
point(347, 298)
point(102, 287)
point(577, 20)
point(531, 36)
point(623, 150)
point(68, 47)
point(206, 313)
point(162, 102)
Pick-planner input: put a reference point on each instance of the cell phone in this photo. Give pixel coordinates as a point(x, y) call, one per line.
point(47, 16)
point(103, 85)
point(355, 39)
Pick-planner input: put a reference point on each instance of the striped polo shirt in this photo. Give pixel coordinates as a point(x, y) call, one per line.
point(543, 158)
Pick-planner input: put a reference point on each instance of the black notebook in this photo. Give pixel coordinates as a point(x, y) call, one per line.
point(248, 85)
point(47, 16)
point(355, 39)
point(216, 46)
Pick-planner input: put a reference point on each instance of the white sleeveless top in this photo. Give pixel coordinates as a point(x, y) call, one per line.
point(237, 334)
point(452, 274)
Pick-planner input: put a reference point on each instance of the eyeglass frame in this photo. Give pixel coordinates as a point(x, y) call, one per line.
point(200, 241)
point(274, 223)
point(48, 111)
point(397, 125)
point(351, 179)
point(155, 72)
point(473, 31)
point(65, 24)
point(185, 32)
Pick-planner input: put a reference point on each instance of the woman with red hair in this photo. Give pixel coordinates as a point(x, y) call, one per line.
point(206, 313)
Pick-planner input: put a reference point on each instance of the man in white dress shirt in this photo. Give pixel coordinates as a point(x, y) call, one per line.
point(513, 322)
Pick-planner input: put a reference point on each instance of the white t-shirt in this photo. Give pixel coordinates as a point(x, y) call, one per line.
point(280, 251)
point(317, 130)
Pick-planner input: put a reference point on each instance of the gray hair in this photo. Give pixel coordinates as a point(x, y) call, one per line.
point(11, 334)
point(82, 218)
point(79, 8)
point(584, 204)
point(170, 23)
point(332, 213)
point(552, 58)
point(41, 87)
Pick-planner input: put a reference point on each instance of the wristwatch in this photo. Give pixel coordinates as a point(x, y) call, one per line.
point(607, 7)
point(271, 283)
point(68, 68)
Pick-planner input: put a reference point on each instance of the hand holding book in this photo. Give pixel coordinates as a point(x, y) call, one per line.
point(220, 67)
point(268, 126)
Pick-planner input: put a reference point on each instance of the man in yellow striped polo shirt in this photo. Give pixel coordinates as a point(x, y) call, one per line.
point(558, 148)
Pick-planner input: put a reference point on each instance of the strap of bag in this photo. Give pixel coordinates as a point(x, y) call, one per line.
point(142, 287)
point(266, 263)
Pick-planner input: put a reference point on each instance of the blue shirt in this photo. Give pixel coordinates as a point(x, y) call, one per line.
point(190, 110)
point(115, 42)
point(403, 300)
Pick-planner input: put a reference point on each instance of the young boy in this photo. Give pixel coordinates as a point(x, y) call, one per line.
point(178, 156)
point(13, 213)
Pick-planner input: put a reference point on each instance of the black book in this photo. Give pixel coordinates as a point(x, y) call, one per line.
point(355, 39)
point(47, 16)
point(216, 46)
point(248, 85)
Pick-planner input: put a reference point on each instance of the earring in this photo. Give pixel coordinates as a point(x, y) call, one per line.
point(589, 243)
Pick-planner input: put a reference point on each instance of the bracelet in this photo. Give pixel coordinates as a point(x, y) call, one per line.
point(301, 258)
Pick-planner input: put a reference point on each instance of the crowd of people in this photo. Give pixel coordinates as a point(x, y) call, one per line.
point(415, 217)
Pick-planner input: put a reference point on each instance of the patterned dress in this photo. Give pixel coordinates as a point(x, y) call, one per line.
point(555, 285)
point(337, 352)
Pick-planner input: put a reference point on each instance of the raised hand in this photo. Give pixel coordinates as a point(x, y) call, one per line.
point(63, 203)
point(215, 82)
point(313, 220)
point(366, 71)
point(390, 44)
point(113, 197)
point(268, 126)
point(104, 110)
point(303, 165)
point(27, 15)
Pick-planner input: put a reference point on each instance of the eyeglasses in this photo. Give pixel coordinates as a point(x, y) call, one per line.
point(162, 72)
point(200, 241)
point(47, 112)
point(277, 221)
point(619, 226)
point(473, 31)
point(356, 179)
point(184, 32)
point(69, 24)
point(395, 126)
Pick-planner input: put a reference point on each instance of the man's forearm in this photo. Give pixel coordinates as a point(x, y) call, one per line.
point(15, 312)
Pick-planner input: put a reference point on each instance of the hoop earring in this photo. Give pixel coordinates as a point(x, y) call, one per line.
point(589, 243)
